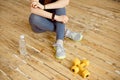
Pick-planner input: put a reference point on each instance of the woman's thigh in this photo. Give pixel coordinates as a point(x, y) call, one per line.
point(40, 23)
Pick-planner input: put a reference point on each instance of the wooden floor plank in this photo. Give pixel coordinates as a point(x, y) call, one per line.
point(98, 21)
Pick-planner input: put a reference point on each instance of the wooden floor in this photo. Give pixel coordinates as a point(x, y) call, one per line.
point(98, 20)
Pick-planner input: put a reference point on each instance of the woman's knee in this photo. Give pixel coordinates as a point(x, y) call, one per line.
point(60, 11)
point(33, 19)
point(36, 29)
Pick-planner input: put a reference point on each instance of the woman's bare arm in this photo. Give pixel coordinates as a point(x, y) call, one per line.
point(57, 4)
point(54, 5)
point(41, 12)
point(61, 18)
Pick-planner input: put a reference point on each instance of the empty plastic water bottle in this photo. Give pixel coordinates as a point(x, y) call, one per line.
point(22, 45)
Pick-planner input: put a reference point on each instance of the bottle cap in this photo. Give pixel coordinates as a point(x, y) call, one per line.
point(22, 36)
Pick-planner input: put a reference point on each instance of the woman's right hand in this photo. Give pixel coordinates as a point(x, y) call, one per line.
point(62, 18)
point(34, 4)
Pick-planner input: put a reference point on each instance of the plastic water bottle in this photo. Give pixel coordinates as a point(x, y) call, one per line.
point(22, 45)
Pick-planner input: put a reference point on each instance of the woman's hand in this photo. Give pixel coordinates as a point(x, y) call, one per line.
point(62, 18)
point(36, 4)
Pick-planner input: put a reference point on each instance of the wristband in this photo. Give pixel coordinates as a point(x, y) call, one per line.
point(53, 16)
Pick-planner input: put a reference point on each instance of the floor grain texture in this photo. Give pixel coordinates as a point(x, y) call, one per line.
point(97, 20)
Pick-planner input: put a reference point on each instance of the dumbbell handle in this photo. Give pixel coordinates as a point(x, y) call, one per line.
point(82, 65)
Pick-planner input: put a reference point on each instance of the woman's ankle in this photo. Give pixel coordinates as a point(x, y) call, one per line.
point(59, 41)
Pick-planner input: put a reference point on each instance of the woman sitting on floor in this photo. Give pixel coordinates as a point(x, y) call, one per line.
point(50, 15)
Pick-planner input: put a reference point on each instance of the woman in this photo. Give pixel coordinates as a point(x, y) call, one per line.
point(50, 15)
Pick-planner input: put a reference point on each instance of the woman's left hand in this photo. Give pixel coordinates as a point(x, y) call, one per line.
point(37, 5)
point(62, 18)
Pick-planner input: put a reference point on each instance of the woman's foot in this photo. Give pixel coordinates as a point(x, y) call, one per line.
point(73, 35)
point(60, 52)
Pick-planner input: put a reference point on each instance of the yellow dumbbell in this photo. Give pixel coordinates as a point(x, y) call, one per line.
point(85, 73)
point(84, 63)
point(75, 69)
point(79, 67)
point(76, 62)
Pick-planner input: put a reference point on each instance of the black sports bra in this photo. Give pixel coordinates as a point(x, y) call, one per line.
point(42, 1)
